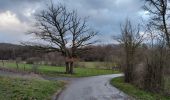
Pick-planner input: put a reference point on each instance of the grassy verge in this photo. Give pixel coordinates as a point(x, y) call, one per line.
point(167, 84)
point(59, 71)
point(136, 92)
point(27, 89)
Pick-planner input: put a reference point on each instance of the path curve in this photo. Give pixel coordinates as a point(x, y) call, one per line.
point(93, 88)
point(89, 88)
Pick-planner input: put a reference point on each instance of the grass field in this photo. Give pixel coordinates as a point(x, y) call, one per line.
point(59, 71)
point(27, 89)
point(102, 65)
point(136, 92)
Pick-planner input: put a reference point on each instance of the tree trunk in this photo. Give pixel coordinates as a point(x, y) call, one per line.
point(129, 67)
point(166, 30)
point(71, 68)
point(67, 67)
point(129, 73)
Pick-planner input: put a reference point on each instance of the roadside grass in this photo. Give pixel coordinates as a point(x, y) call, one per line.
point(167, 84)
point(27, 89)
point(136, 92)
point(60, 71)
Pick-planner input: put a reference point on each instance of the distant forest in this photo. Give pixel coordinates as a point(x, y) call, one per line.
point(95, 53)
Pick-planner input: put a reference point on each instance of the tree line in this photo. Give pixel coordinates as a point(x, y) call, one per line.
point(148, 73)
point(99, 53)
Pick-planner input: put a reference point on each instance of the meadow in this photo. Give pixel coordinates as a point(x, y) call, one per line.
point(58, 70)
point(28, 89)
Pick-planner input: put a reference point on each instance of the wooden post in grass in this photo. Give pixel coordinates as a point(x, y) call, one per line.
point(3, 64)
point(17, 62)
point(24, 66)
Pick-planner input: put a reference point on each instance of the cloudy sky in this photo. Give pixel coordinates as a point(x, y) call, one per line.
point(17, 16)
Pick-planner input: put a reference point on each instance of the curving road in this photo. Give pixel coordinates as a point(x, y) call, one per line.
point(93, 88)
point(90, 88)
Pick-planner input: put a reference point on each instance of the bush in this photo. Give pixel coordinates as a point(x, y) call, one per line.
point(32, 60)
point(35, 68)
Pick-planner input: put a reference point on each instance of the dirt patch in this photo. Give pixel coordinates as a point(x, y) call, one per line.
point(18, 73)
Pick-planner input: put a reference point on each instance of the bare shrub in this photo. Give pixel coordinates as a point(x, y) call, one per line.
point(130, 39)
point(139, 75)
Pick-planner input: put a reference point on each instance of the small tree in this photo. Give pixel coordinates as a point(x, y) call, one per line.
point(64, 32)
point(17, 61)
point(131, 39)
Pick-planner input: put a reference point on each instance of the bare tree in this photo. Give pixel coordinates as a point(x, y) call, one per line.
point(15, 58)
point(160, 15)
point(64, 32)
point(131, 39)
point(155, 62)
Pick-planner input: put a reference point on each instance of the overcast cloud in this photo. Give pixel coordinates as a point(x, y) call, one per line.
point(16, 16)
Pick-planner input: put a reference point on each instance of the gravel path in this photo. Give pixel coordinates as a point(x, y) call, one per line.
point(93, 88)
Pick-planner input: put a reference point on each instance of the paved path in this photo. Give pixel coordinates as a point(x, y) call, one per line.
point(93, 88)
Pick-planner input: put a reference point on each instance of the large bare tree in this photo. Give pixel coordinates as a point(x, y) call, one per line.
point(63, 31)
point(159, 11)
point(131, 39)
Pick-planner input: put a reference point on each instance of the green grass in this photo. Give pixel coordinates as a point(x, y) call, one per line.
point(59, 71)
point(27, 89)
point(103, 65)
point(136, 92)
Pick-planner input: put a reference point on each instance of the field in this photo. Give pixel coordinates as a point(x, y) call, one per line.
point(136, 92)
point(27, 89)
point(101, 65)
point(58, 71)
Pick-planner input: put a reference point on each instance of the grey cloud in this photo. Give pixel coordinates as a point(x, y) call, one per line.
point(19, 7)
point(107, 15)
point(104, 15)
